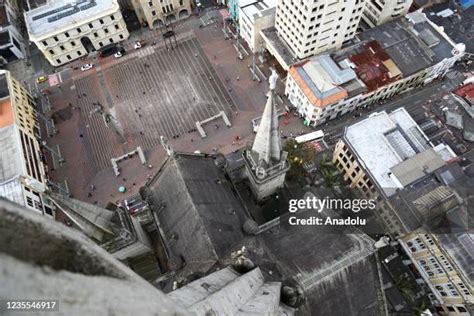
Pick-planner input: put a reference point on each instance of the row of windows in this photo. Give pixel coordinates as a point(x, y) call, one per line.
point(79, 53)
point(73, 44)
point(31, 157)
point(79, 30)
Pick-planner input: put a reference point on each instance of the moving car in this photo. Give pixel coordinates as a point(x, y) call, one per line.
point(86, 67)
point(41, 79)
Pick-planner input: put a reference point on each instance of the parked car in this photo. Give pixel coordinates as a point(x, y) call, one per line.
point(41, 79)
point(108, 50)
point(120, 53)
point(86, 67)
point(139, 44)
point(135, 204)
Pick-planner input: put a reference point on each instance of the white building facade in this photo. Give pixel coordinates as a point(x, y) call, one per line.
point(378, 12)
point(253, 17)
point(312, 27)
point(64, 32)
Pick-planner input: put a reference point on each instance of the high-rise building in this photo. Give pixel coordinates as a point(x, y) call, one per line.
point(157, 13)
point(266, 163)
point(378, 12)
point(311, 27)
point(65, 31)
point(22, 172)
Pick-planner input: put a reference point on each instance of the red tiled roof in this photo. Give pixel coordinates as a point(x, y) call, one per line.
point(466, 91)
point(370, 66)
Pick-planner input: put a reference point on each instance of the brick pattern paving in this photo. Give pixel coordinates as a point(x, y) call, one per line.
point(178, 92)
point(154, 92)
point(100, 142)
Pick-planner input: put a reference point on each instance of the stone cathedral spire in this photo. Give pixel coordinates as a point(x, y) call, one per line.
point(267, 142)
point(266, 163)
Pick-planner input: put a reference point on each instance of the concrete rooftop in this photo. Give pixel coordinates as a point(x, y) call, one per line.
point(393, 138)
point(59, 14)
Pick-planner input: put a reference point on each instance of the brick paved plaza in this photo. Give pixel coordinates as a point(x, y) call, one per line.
point(153, 92)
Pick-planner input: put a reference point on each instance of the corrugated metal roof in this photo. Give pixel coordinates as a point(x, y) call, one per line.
point(417, 167)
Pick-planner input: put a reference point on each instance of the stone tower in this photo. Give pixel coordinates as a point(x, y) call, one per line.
point(266, 163)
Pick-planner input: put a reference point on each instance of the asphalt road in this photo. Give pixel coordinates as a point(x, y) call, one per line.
point(411, 100)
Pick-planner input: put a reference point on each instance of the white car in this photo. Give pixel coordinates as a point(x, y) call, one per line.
point(86, 67)
point(137, 45)
point(118, 54)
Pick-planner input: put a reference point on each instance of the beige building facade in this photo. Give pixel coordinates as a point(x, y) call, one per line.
point(64, 32)
point(23, 173)
point(451, 291)
point(157, 13)
point(354, 174)
point(378, 12)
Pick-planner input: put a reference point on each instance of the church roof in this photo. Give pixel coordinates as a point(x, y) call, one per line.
point(96, 222)
point(200, 216)
point(334, 266)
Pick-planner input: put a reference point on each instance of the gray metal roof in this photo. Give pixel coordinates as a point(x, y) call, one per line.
point(413, 47)
point(338, 75)
point(461, 247)
point(417, 167)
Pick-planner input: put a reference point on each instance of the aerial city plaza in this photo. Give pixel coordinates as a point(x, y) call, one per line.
point(237, 157)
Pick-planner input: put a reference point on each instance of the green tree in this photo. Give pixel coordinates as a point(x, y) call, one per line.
point(328, 171)
point(298, 155)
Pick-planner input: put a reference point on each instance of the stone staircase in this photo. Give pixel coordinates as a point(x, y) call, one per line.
point(227, 292)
